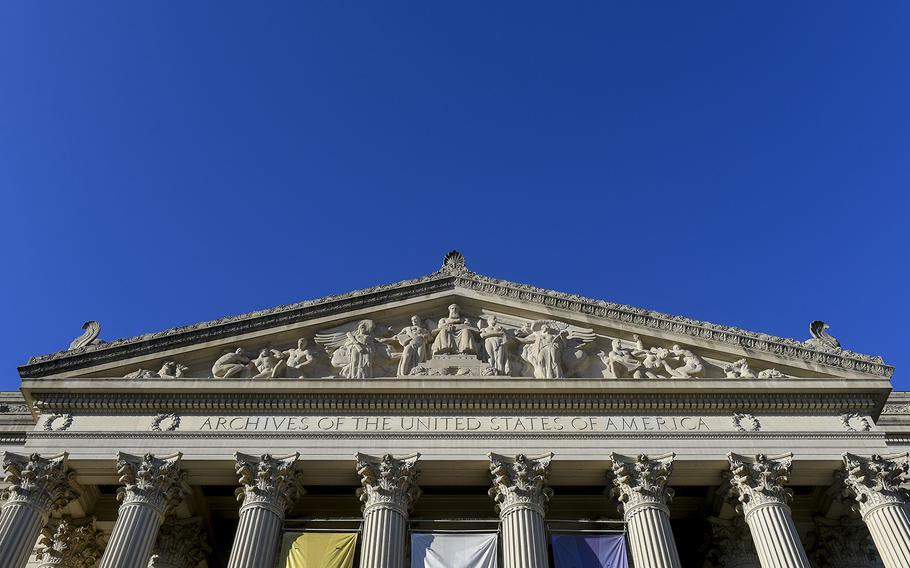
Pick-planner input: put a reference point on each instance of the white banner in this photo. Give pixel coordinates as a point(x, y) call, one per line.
point(453, 550)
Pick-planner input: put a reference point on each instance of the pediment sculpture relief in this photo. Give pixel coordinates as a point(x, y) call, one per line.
point(460, 344)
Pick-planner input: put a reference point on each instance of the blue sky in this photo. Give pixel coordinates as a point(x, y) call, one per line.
point(163, 163)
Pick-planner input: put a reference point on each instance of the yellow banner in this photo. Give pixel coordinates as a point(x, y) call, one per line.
point(317, 550)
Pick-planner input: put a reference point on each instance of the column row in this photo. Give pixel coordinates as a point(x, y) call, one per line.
point(147, 534)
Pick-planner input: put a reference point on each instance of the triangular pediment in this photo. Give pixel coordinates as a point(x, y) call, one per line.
point(498, 328)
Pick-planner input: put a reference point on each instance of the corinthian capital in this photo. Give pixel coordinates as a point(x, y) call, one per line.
point(388, 482)
point(42, 483)
point(268, 482)
point(520, 482)
point(70, 543)
point(730, 543)
point(180, 544)
point(641, 481)
point(877, 480)
point(158, 483)
point(759, 480)
point(841, 542)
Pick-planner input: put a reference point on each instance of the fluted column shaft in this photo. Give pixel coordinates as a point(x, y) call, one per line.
point(876, 483)
point(37, 486)
point(384, 532)
point(133, 537)
point(388, 491)
point(776, 540)
point(20, 525)
point(758, 484)
point(640, 484)
point(521, 494)
point(153, 487)
point(524, 538)
point(268, 487)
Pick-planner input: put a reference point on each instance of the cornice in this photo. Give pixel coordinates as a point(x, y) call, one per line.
point(422, 402)
point(448, 278)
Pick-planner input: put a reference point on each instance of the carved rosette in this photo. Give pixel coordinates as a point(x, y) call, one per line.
point(642, 481)
point(155, 482)
point(70, 544)
point(388, 482)
point(876, 481)
point(267, 482)
point(842, 542)
point(520, 482)
point(759, 480)
point(180, 543)
point(41, 483)
point(730, 543)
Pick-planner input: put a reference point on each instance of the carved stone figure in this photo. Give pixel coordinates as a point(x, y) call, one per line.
point(821, 339)
point(545, 353)
point(233, 364)
point(299, 357)
point(691, 366)
point(496, 345)
point(771, 374)
point(454, 334)
point(738, 370)
point(414, 340)
point(168, 370)
point(88, 337)
point(354, 353)
point(270, 364)
point(620, 362)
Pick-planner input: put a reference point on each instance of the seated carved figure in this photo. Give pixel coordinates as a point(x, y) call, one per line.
point(270, 364)
point(454, 334)
point(620, 362)
point(233, 364)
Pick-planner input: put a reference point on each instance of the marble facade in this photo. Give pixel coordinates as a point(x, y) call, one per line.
point(455, 397)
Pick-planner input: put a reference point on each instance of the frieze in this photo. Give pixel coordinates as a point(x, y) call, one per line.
point(445, 279)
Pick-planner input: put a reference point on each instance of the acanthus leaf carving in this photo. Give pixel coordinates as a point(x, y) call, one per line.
point(268, 482)
point(641, 481)
point(388, 482)
point(520, 482)
point(180, 543)
point(759, 480)
point(729, 544)
point(70, 543)
point(835, 543)
point(43, 483)
point(157, 482)
point(877, 480)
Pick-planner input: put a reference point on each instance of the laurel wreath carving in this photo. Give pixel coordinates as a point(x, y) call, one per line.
point(850, 418)
point(64, 420)
point(170, 420)
point(745, 422)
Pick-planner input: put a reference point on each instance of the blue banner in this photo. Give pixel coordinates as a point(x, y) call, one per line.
point(589, 551)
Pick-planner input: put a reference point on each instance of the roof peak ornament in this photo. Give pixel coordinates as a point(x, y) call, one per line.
point(821, 338)
point(89, 336)
point(454, 263)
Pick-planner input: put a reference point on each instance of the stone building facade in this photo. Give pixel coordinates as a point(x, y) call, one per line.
point(455, 401)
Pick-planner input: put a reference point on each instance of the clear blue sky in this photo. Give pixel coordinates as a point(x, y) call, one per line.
point(163, 163)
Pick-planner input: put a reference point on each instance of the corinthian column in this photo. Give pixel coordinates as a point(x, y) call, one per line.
point(389, 489)
point(876, 484)
point(70, 544)
point(521, 494)
point(641, 486)
point(758, 484)
point(37, 487)
point(152, 488)
point(268, 488)
point(180, 544)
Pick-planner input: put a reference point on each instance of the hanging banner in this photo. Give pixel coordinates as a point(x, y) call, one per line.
point(453, 550)
point(317, 550)
point(589, 551)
